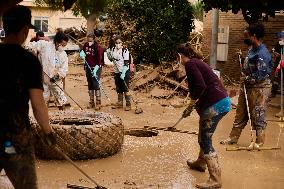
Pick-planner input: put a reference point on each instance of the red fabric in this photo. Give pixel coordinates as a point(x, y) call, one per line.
point(93, 58)
point(280, 65)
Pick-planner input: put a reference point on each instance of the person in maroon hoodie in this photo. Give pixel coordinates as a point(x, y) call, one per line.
point(210, 99)
point(92, 53)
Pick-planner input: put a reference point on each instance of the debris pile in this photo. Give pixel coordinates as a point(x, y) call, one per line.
point(161, 82)
point(74, 58)
point(76, 34)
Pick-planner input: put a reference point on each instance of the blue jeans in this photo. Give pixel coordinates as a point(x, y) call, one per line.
point(207, 126)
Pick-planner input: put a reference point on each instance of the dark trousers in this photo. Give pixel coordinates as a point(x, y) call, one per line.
point(122, 85)
point(207, 126)
point(93, 83)
point(20, 169)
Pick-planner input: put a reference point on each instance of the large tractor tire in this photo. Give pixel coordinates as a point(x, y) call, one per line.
point(81, 135)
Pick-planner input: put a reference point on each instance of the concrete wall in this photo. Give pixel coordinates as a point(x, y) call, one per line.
point(236, 25)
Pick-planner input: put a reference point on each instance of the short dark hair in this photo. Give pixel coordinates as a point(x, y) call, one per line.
point(16, 18)
point(117, 37)
point(187, 50)
point(256, 29)
point(59, 37)
point(39, 34)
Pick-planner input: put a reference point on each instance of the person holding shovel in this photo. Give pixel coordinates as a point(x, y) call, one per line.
point(255, 87)
point(92, 53)
point(21, 82)
point(210, 99)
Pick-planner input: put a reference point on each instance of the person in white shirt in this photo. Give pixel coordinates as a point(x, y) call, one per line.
point(121, 60)
point(54, 61)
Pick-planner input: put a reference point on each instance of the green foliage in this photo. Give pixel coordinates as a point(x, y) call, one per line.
point(151, 28)
point(198, 10)
point(251, 9)
point(83, 7)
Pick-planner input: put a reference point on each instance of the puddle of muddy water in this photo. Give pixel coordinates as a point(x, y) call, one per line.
point(152, 162)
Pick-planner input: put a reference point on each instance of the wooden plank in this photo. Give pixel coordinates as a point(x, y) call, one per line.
point(173, 82)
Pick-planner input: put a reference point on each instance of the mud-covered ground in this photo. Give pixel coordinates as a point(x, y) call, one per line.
point(160, 162)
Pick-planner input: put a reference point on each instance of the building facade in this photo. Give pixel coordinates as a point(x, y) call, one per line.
point(230, 39)
point(48, 20)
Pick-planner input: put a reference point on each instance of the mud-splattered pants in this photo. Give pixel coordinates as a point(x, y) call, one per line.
point(207, 126)
point(56, 92)
point(20, 169)
point(257, 96)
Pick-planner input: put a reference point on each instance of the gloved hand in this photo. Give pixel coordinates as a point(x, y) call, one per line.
point(124, 70)
point(82, 54)
point(95, 71)
point(189, 109)
point(55, 78)
point(50, 139)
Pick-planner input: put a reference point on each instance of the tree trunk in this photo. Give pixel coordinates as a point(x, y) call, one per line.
point(91, 23)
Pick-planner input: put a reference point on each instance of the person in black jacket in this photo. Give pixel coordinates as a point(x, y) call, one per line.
point(21, 82)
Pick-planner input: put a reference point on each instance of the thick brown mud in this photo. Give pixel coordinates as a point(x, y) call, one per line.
point(160, 161)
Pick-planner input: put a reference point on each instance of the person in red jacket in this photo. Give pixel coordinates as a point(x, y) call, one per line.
point(92, 53)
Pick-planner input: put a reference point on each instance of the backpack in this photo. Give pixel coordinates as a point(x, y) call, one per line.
point(131, 64)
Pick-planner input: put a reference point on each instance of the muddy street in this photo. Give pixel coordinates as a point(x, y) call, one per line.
point(160, 161)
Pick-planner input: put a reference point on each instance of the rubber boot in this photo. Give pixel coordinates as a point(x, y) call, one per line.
point(91, 102)
point(233, 138)
point(98, 100)
point(214, 170)
point(199, 164)
point(119, 103)
point(260, 137)
point(128, 102)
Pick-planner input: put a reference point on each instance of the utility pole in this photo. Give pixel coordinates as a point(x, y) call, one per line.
point(1, 23)
point(214, 38)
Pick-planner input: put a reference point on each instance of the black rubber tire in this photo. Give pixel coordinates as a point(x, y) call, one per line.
point(104, 137)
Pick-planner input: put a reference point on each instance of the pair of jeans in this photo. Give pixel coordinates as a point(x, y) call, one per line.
point(207, 126)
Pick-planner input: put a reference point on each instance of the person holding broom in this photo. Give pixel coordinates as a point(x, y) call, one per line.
point(210, 99)
point(255, 80)
point(92, 54)
point(21, 82)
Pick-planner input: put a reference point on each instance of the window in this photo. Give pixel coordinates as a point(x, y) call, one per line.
point(41, 23)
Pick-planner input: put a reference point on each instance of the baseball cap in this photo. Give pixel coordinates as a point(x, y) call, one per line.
point(280, 34)
point(16, 18)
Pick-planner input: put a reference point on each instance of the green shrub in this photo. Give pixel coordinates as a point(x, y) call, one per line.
point(151, 28)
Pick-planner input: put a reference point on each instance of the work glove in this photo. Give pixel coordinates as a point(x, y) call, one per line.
point(50, 139)
point(189, 109)
point(82, 54)
point(55, 78)
point(124, 70)
point(95, 71)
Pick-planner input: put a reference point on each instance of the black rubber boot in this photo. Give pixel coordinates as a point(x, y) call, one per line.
point(91, 102)
point(128, 102)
